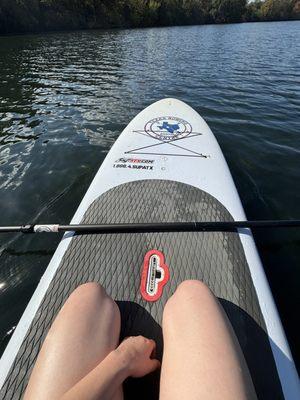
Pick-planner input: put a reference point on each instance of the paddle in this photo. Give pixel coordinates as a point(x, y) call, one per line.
point(213, 226)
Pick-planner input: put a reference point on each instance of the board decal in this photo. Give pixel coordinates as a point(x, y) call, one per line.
point(155, 275)
point(166, 130)
point(134, 163)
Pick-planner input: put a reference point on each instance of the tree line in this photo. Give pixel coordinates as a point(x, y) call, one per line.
point(17, 16)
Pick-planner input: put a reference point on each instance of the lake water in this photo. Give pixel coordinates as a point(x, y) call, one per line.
point(65, 98)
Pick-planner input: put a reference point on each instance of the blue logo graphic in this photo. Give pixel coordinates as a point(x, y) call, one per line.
point(168, 128)
point(171, 128)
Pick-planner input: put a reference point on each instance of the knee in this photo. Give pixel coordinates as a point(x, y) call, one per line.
point(92, 296)
point(89, 292)
point(188, 294)
point(192, 287)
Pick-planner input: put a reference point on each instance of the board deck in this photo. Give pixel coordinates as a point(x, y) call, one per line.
point(165, 167)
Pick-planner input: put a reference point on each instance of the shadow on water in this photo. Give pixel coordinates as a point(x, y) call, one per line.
point(252, 339)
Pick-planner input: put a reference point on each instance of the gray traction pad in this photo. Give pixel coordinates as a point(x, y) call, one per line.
point(217, 258)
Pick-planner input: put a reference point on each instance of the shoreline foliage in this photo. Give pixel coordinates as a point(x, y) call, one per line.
point(21, 16)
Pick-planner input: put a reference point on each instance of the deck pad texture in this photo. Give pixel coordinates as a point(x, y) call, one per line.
point(115, 261)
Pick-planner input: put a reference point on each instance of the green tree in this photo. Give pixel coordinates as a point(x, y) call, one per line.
point(36, 15)
point(223, 11)
point(253, 11)
point(277, 9)
point(171, 12)
point(195, 11)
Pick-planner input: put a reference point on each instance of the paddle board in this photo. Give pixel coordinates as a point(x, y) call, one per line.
point(166, 166)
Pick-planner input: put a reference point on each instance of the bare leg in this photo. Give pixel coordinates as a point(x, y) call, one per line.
point(84, 332)
point(202, 358)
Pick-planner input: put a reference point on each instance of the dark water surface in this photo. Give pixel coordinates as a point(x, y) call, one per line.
point(65, 97)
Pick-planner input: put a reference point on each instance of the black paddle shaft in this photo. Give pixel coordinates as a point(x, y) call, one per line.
point(213, 226)
point(177, 226)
